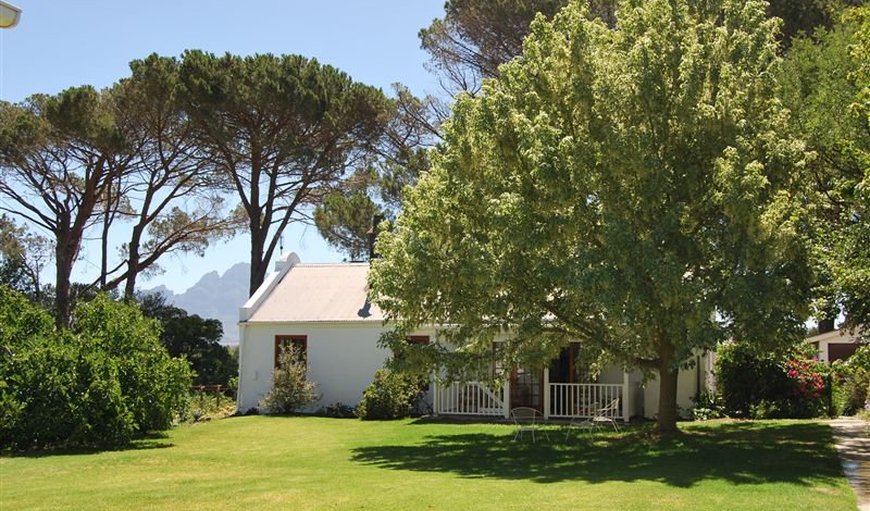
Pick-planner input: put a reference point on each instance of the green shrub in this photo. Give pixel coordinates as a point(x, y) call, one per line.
point(785, 409)
point(155, 386)
point(392, 395)
point(745, 377)
point(97, 385)
point(60, 395)
point(707, 406)
point(291, 388)
point(852, 382)
point(20, 321)
point(761, 385)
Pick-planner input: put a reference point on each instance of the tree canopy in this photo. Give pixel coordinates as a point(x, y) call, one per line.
point(170, 194)
point(284, 131)
point(59, 156)
point(825, 83)
point(627, 187)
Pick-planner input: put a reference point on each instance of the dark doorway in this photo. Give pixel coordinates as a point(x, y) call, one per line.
point(562, 369)
point(527, 389)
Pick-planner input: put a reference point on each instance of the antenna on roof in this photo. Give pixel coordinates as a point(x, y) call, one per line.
point(281, 244)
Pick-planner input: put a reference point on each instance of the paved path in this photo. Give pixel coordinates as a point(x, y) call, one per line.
point(852, 437)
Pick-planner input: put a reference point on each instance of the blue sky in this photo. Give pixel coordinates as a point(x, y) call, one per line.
point(62, 44)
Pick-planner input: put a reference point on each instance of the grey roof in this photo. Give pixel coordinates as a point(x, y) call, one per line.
point(318, 292)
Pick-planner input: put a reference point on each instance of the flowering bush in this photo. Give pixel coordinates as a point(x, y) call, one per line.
point(808, 383)
point(762, 385)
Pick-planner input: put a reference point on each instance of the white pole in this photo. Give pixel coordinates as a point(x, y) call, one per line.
point(546, 393)
point(507, 399)
point(436, 407)
point(626, 396)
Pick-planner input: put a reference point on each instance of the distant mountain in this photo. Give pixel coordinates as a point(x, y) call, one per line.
point(215, 296)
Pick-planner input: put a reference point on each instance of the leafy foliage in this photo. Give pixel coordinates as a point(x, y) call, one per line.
point(99, 384)
point(631, 188)
point(707, 405)
point(22, 257)
point(291, 388)
point(823, 85)
point(391, 395)
point(804, 18)
point(59, 155)
point(283, 130)
point(194, 338)
point(344, 219)
point(852, 382)
point(765, 385)
point(154, 385)
point(476, 36)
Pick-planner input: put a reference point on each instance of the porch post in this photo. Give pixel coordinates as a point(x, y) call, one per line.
point(546, 393)
point(435, 404)
point(507, 399)
point(626, 396)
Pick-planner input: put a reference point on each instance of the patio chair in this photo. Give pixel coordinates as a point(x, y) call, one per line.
point(526, 419)
point(599, 416)
point(606, 414)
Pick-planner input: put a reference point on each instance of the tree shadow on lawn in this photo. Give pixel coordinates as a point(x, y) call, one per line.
point(741, 453)
point(148, 441)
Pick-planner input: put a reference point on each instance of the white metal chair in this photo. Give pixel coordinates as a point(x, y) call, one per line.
point(608, 414)
point(526, 419)
point(604, 414)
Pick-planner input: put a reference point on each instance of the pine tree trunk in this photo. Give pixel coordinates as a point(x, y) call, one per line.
point(64, 255)
point(132, 263)
point(258, 266)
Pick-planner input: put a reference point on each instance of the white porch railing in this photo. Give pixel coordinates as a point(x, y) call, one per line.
point(583, 399)
point(470, 398)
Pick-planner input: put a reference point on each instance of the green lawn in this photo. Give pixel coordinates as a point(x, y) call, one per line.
point(315, 463)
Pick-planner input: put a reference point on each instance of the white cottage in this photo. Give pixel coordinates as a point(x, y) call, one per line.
point(323, 309)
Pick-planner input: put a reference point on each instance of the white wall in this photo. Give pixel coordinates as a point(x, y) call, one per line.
point(342, 359)
point(687, 388)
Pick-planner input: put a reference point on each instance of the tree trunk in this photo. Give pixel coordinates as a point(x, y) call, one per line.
point(64, 255)
point(258, 266)
point(104, 249)
point(667, 416)
point(132, 262)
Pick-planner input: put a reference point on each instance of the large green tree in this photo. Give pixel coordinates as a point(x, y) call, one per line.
point(625, 187)
point(283, 131)
point(825, 84)
point(474, 37)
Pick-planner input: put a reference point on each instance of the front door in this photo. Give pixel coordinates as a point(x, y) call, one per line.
point(527, 389)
